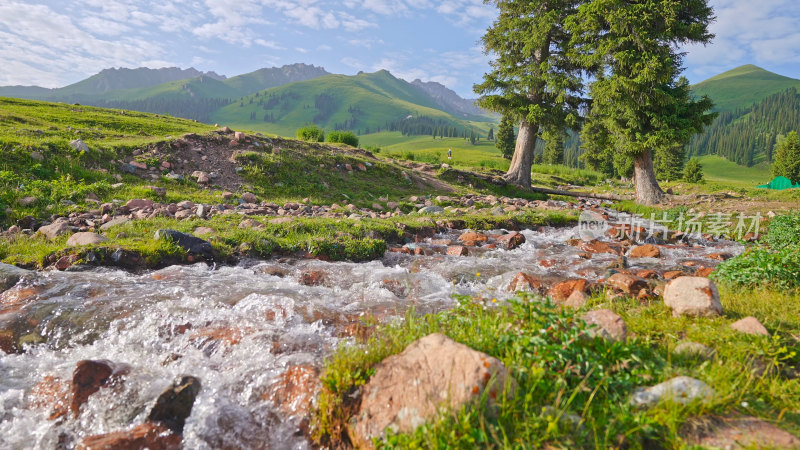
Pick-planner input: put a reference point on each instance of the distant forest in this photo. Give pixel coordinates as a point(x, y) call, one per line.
point(748, 135)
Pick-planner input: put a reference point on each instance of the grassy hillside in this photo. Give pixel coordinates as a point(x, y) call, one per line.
point(365, 102)
point(36, 159)
point(743, 86)
point(192, 88)
point(721, 170)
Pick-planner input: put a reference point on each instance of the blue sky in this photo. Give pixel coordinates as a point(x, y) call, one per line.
point(55, 43)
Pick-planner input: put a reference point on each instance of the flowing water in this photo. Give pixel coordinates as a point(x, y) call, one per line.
point(238, 328)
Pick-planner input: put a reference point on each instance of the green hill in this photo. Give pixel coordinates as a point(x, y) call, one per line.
point(743, 86)
point(365, 103)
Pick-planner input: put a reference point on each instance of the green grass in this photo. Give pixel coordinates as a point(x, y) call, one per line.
point(561, 374)
point(743, 86)
point(335, 239)
point(720, 170)
point(61, 173)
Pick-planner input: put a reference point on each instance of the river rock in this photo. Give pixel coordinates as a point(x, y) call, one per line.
point(202, 231)
point(561, 291)
point(51, 394)
point(510, 241)
point(58, 228)
point(609, 325)
point(692, 296)
point(10, 275)
point(139, 203)
point(119, 220)
point(457, 250)
point(627, 283)
point(471, 236)
point(294, 391)
point(89, 376)
point(174, 405)
point(645, 251)
point(85, 238)
point(750, 325)
point(191, 244)
point(249, 197)
point(312, 278)
point(79, 145)
point(601, 247)
point(576, 300)
point(145, 436)
point(744, 432)
point(680, 389)
point(524, 282)
point(409, 389)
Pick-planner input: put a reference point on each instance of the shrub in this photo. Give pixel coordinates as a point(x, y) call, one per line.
point(761, 266)
point(784, 231)
point(343, 137)
point(311, 133)
point(693, 172)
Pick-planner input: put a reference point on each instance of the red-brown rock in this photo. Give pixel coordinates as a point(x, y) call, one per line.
point(471, 236)
point(294, 391)
point(647, 274)
point(601, 247)
point(317, 277)
point(672, 274)
point(645, 251)
point(524, 282)
point(629, 284)
point(89, 376)
point(510, 241)
point(8, 341)
point(411, 388)
point(53, 394)
point(704, 271)
point(457, 250)
point(561, 291)
point(145, 436)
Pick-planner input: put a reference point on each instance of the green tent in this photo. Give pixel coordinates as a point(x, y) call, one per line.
point(779, 184)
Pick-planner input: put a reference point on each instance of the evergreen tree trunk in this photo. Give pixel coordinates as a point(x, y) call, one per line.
point(520, 171)
point(648, 191)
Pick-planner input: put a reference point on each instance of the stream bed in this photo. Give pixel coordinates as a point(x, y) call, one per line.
point(237, 329)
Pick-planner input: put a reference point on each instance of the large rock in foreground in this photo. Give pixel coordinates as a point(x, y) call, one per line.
point(432, 374)
point(692, 296)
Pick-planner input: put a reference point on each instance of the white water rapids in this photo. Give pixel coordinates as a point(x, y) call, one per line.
point(154, 322)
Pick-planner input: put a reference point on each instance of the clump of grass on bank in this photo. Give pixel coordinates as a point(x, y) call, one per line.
point(775, 264)
point(573, 391)
point(335, 239)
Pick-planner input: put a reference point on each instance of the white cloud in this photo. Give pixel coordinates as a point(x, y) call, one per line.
point(747, 32)
point(40, 46)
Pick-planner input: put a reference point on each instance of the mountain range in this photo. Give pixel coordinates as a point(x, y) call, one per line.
point(756, 107)
point(380, 98)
